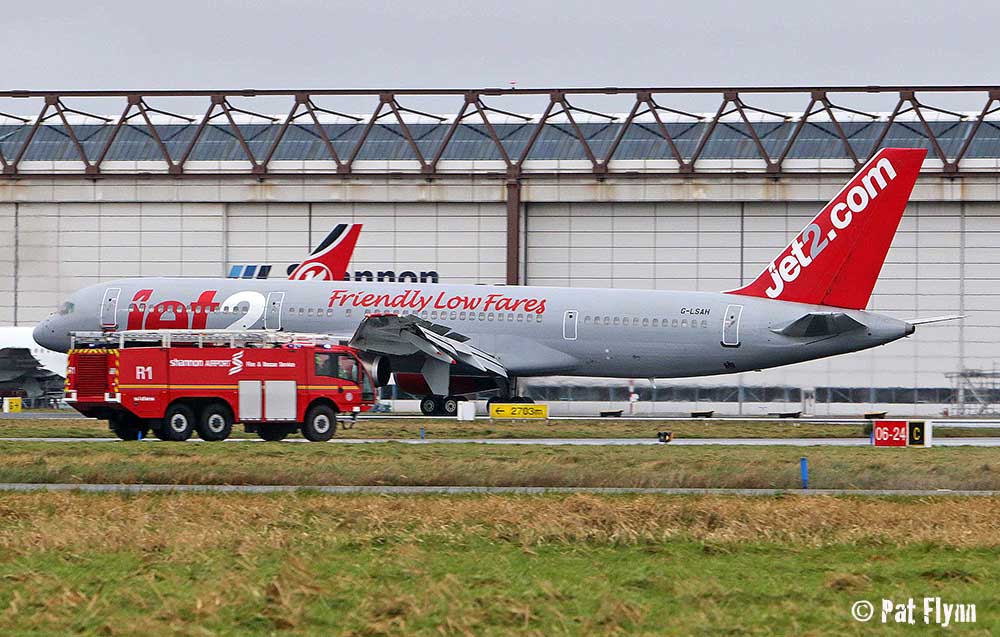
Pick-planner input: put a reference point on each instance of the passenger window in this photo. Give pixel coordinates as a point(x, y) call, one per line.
point(310, 312)
point(329, 311)
point(616, 320)
point(607, 320)
point(347, 312)
point(461, 316)
point(645, 322)
point(482, 316)
point(586, 320)
point(434, 315)
point(520, 318)
point(453, 315)
point(684, 322)
point(704, 324)
point(489, 317)
point(654, 322)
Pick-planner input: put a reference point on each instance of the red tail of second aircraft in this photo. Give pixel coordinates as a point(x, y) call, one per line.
point(328, 262)
point(836, 259)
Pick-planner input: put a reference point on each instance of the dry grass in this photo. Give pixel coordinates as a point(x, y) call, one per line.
point(69, 522)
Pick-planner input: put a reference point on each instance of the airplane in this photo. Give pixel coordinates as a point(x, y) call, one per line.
point(27, 367)
point(445, 342)
point(328, 262)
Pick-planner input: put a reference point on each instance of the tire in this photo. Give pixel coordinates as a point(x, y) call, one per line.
point(215, 422)
point(449, 406)
point(178, 423)
point(430, 405)
point(272, 433)
point(320, 424)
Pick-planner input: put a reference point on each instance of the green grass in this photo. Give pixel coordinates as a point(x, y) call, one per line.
point(499, 465)
point(303, 564)
point(390, 427)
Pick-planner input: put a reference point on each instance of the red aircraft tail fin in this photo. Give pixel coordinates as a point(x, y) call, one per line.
point(328, 262)
point(837, 258)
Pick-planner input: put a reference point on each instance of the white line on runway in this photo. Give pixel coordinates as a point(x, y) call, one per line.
point(424, 490)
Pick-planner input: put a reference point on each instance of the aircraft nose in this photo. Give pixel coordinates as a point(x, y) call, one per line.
point(45, 335)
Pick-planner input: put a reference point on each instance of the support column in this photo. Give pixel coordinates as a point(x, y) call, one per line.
point(513, 232)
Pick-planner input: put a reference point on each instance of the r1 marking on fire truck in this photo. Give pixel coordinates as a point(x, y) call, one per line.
point(794, 261)
point(144, 373)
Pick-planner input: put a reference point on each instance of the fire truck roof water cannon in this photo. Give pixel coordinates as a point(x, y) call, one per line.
point(179, 382)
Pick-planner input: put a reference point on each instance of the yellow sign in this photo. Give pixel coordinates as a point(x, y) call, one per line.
point(11, 405)
point(518, 410)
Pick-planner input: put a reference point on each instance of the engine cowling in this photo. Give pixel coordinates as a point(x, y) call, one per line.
point(378, 367)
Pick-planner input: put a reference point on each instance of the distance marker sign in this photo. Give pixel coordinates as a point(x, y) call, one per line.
point(519, 411)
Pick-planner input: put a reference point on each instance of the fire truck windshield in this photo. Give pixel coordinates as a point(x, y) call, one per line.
point(340, 366)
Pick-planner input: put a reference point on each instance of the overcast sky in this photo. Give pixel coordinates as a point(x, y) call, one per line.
point(60, 44)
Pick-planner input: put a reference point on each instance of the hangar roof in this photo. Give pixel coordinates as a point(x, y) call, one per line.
point(481, 138)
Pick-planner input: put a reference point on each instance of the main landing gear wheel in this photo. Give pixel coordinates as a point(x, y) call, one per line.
point(216, 423)
point(320, 424)
point(178, 423)
point(449, 406)
point(430, 405)
point(439, 406)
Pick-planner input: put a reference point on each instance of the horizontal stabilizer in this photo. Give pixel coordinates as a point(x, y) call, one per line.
point(819, 324)
point(935, 319)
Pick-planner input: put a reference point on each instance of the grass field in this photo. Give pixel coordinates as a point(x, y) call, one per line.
point(499, 465)
point(450, 428)
point(199, 564)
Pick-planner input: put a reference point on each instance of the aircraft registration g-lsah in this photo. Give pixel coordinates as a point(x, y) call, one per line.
point(443, 341)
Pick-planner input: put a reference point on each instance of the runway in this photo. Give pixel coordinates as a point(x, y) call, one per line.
point(455, 490)
point(557, 442)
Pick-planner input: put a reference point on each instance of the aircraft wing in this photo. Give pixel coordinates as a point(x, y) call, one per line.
point(818, 324)
point(395, 335)
point(17, 362)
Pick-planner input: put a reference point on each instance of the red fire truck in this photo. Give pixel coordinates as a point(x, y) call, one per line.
point(177, 382)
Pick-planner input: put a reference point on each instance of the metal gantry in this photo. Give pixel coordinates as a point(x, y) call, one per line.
point(822, 106)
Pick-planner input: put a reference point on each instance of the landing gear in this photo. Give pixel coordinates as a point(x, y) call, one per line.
point(439, 405)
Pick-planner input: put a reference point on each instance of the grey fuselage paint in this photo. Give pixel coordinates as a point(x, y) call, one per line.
point(690, 344)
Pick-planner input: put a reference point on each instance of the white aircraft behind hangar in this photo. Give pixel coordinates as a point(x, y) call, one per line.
point(445, 341)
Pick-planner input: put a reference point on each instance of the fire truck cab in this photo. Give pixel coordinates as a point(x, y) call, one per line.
point(179, 382)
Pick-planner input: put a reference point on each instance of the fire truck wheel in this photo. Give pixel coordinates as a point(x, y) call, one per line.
point(449, 406)
point(320, 424)
point(178, 423)
point(430, 405)
point(215, 423)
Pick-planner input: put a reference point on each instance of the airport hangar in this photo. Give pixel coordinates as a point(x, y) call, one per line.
point(524, 186)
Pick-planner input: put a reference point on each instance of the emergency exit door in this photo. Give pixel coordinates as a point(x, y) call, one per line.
point(109, 308)
point(731, 326)
point(569, 325)
point(272, 316)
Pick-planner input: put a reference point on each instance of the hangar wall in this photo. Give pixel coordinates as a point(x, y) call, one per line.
point(650, 233)
point(944, 260)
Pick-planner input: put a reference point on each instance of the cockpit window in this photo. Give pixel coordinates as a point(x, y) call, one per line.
point(66, 308)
